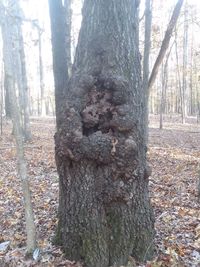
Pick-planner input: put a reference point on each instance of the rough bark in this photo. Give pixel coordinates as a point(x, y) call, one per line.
point(165, 43)
point(104, 208)
point(60, 65)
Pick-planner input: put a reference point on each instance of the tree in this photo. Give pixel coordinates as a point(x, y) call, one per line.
point(60, 66)
point(147, 48)
point(68, 19)
point(22, 75)
point(8, 25)
point(185, 59)
point(164, 87)
point(41, 71)
point(104, 209)
point(165, 43)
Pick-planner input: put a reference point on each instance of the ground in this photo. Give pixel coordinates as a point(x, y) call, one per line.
point(174, 154)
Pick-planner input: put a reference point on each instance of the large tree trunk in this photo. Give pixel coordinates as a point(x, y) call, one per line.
point(104, 208)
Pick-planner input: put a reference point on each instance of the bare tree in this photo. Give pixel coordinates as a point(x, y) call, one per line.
point(22, 74)
point(165, 43)
point(184, 90)
point(68, 19)
point(8, 33)
point(164, 86)
point(147, 47)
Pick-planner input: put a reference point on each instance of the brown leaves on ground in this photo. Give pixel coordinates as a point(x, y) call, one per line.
point(174, 154)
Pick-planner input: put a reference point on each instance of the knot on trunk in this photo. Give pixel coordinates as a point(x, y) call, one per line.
point(107, 106)
point(102, 130)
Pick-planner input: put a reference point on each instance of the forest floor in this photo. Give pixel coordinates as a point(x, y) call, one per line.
point(174, 154)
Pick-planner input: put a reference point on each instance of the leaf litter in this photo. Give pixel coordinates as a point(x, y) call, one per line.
point(174, 154)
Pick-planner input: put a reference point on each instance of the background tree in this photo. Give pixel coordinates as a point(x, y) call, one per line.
point(68, 19)
point(165, 42)
point(104, 209)
point(8, 26)
point(147, 48)
point(22, 73)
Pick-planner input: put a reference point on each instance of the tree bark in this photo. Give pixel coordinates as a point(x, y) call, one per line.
point(60, 64)
point(165, 43)
point(104, 209)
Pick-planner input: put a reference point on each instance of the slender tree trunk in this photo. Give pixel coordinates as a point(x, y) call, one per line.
point(164, 88)
point(162, 98)
point(147, 47)
point(7, 101)
point(165, 42)
point(42, 93)
point(185, 59)
point(8, 34)
point(2, 99)
point(23, 76)
point(191, 76)
point(104, 209)
point(198, 102)
point(179, 77)
point(68, 12)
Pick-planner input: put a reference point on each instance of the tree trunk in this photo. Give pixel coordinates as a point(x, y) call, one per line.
point(42, 94)
point(164, 88)
point(180, 107)
point(185, 59)
point(7, 101)
point(8, 34)
point(104, 208)
point(147, 48)
point(68, 19)
point(165, 42)
point(24, 83)
point(2, 99)
point(60, 64)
